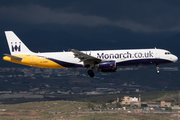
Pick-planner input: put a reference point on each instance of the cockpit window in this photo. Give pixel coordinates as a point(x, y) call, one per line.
point(167, 53)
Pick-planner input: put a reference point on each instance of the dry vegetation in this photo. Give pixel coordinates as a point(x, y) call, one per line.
point(41, 110)
point(69, 110)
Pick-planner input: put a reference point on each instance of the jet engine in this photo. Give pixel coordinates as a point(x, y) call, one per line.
point(107, 66)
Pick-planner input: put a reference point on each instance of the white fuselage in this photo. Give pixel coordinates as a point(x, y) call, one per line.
point(122, 57)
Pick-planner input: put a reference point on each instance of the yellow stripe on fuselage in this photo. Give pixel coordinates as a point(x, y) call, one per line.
point(33, 60)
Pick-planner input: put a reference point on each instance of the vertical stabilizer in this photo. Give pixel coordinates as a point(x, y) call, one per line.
point(16, 46)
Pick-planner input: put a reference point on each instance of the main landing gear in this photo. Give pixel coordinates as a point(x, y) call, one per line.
point(157, 68)
point(91, 73)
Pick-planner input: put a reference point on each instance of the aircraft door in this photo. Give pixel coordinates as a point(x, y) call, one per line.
point(33, 59)
point(157, 54)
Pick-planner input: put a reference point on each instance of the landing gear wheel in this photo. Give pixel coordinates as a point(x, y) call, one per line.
point(157, 68)
point(91, 73)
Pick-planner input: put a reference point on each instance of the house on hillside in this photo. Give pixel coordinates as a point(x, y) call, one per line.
point(165, 104)
point(127, 100)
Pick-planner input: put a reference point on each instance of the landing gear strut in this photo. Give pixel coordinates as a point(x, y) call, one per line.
point(157, 68)
point(91, 73)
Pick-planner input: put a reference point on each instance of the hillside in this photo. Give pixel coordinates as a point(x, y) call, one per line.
point(70, 110)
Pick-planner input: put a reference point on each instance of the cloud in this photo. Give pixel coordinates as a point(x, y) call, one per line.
point(36, 14)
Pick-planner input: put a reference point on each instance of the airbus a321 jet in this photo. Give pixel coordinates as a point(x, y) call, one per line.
point(102, 60)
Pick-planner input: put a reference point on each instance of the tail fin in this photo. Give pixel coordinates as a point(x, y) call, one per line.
point(16, 46)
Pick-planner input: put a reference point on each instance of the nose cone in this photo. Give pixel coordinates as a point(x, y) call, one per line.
point(175, 58)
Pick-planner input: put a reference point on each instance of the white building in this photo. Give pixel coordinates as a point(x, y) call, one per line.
point(134, 99)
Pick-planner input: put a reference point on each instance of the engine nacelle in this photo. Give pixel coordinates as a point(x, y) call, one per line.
point(107, 64)
point(107, 70)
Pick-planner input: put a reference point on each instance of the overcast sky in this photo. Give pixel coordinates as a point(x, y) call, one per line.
point(136, 15)
point(92, 24)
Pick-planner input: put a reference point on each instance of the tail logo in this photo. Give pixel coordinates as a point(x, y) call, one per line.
point(16, 47)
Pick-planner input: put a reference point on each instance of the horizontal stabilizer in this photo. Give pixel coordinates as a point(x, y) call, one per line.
point(14, 57)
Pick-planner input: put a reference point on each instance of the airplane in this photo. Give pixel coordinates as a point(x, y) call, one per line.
point(102, 60)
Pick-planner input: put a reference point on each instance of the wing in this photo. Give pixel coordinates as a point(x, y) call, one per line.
point(87, 59)
point(14, 57)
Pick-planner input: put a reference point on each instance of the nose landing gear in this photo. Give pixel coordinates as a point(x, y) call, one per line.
point(157, 68)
